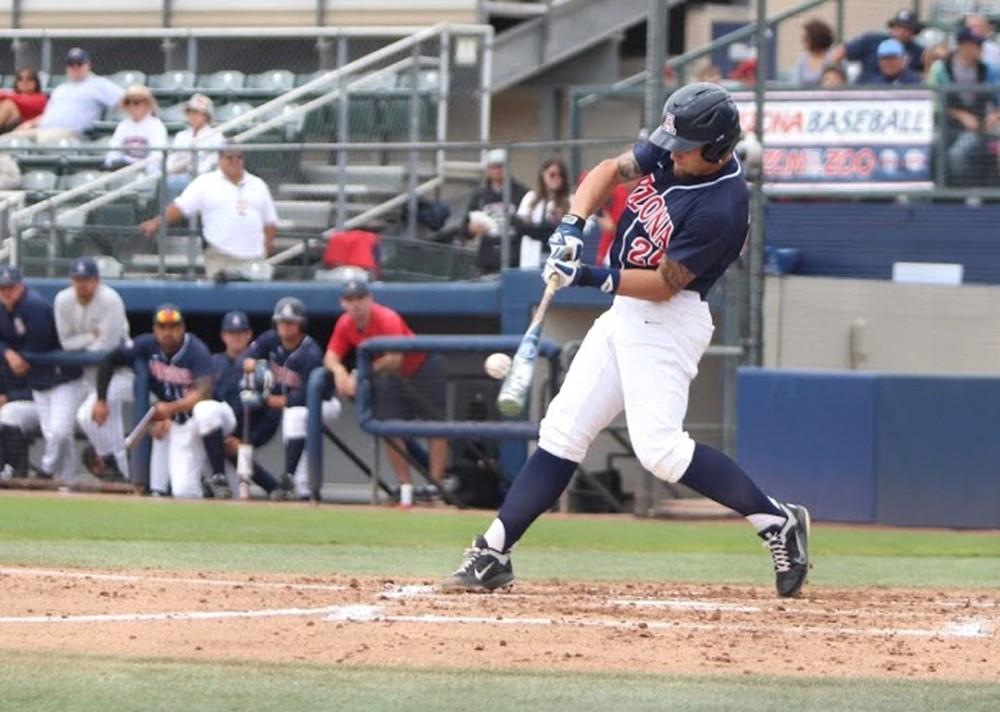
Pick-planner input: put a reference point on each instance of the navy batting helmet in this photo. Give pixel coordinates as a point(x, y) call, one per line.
point(700, 114)
point(289, 309)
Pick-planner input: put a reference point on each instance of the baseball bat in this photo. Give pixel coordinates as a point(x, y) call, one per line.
point(516, 386)
point(244, 457)
point(132, 439)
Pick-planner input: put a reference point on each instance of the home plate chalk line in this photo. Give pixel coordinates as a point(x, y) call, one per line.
point(959, 627)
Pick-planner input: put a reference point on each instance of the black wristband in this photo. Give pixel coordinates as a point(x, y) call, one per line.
point(574, 220)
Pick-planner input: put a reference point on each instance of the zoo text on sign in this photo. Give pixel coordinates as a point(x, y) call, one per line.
point(845, 138)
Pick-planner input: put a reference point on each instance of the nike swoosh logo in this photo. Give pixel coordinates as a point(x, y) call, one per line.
point(647, 321)
point(479, 574)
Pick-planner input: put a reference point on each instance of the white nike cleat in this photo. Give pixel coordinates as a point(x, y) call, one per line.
point(483, 569)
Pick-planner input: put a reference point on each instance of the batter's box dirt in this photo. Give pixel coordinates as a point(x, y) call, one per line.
point(654, 628)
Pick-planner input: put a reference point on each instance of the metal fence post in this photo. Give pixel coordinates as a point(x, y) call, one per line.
point(505, 231)
point(656, 54)
point(414, 157)
point(342, 137)
point(444, 95)
point(757, 200)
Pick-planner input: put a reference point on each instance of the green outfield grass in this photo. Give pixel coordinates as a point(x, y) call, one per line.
point(211, 536)
point(80, 531)
point(96, 683)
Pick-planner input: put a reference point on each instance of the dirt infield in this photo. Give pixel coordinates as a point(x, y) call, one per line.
point(571, 626)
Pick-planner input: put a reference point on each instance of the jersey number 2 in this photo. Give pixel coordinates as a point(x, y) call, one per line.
point(643, 253)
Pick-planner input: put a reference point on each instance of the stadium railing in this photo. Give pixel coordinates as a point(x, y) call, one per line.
point(320, 387)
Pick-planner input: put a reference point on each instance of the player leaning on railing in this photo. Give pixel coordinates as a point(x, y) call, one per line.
point(685, 223)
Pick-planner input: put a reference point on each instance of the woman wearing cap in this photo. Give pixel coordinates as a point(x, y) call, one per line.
point(185, 163)
point(139, 131)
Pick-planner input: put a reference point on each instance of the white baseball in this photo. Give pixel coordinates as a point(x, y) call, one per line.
point(497, 365)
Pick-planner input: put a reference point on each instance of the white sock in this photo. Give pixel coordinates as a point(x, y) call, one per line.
point(406, 495)
point(760, 522)
point(496, 536)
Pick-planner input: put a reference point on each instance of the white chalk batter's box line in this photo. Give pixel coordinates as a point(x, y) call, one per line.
point(374, 613)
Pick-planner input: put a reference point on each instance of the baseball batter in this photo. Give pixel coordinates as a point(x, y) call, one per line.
point(220, 420)
point(292, 355)
point(180, 375)
point(90, 316)
point(685, 223)
point(28, 326)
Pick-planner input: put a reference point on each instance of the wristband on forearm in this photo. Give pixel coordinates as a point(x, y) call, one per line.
point(606, 279)
point(574, 220)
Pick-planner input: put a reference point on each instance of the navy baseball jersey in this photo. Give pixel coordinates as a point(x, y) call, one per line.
point(291, 369)
point(228, 374)
point(31, 328)
point(699, 221)
point(170, 377)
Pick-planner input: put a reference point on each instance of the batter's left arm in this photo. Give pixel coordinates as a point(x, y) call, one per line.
point(657, 285)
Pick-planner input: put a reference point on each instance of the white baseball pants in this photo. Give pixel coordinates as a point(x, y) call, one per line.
point(109, 439)
point(57, 408)
point(177, 460)
point(21, 414)
point(640, 356)
point(293, 425)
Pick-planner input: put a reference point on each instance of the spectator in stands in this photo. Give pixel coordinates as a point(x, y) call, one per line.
point(487, 211)
point(239, 221)
point(834, 77)
point(892, 69)
point(407, 385)
point(541, 210)
point(76, 104)
point(709, 73)
point(24, 103)
point(185, 162)
point(903, 27)
point(139, 131)
point(970, 114)
point(817, 37)
point(745, 73)
point(981, 26)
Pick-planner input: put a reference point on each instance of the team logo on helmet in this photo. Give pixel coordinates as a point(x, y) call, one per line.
point(668, 124)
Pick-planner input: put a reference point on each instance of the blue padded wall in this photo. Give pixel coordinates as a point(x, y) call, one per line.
point(938, 446)
point(807, 437)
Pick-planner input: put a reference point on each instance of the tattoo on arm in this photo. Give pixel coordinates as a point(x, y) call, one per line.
point(675, 275)
point(628, 169)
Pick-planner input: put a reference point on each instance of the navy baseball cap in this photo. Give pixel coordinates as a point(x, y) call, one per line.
point(10, 275)
point(235, 321)
point(168, 314)
point(907, 19)
point(354, 289)
point(77, 55)
point(967, 35)
point(83, 268)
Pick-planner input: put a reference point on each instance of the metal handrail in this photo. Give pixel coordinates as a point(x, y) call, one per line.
point(686, 58)
point(335, 75)
point(235, 32)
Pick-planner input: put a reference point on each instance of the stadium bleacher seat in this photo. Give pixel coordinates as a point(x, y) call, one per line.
point(230, 111)
point(54, 80)
point(275, 81)
point(308, 77)
point(69, 181)
point(128, 77)
point(174, 117)
point(7, 81)
point(39, 183)
point(40, 157)
point(17, 146)
point(225, 81)
point(177, 81)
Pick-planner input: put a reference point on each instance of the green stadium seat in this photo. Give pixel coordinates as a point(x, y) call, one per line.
point(362, 117)
point(275, 81)
point(17, 146)
point(173, 82)
point(128, 77)
point(230, 111)
point(69, 181)
point(227, 80)
point(174, 117)
point(302, 79)
point(39, 181)
point(7, 81)
point(54, 80)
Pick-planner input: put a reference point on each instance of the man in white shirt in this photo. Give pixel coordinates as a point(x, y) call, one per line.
point(238, 218)
point(90, 316)
point(76, 104)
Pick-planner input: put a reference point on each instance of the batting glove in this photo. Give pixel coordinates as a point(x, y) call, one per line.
point(565, 273)
point(566, 242)
point(253, 400)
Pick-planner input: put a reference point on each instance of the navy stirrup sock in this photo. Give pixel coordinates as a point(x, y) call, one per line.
point(215, 450)
point(293, 453)
point(714, 475)
point(543, 478)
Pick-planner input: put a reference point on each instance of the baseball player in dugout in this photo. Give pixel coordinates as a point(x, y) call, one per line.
point(180, 375)
point(90, 316)
point(27, 326)
point(291, 355)
point(685, 222)
point(18, 419)
point(407, 386)
point(221, 420)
